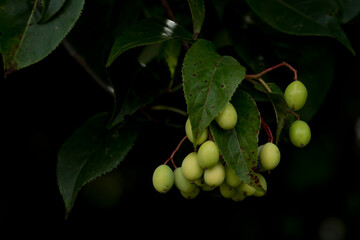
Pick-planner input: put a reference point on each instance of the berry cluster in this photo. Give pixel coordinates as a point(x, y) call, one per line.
point(206, 170)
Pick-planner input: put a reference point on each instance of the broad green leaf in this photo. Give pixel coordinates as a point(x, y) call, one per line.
point(239, 146)
point(209, 81)
point(23, 40)
point(145, 32)
point(90, 152)
point(306, 17)
point(197, 9)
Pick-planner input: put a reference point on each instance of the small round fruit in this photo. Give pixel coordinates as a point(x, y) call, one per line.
point(227, 118)
point(182, 183)
point(192, 194)
point(299, 133)
point(190, 136)
point(208, 154)
point(227, 191)
point(163, 178)
point(269, 156)
point(263, 183)
point(238, 196)
point(231, 178)
point(191, 168)
point(295, 95)
point(246, 189)
point(215, 176)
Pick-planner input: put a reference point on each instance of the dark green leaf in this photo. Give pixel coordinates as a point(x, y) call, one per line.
point(90, 152)
point(209, 82)
point(26, 41)
point(171, 52)
point(239, 146)
point(307, 17)
point(197, 9)
point(145, 32)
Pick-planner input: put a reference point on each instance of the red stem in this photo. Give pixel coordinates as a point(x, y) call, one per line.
point(267, 130)
point(272, 68)
point(173, 153)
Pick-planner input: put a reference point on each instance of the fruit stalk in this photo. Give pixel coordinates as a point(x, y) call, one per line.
point(173, 153)
point(267, 130)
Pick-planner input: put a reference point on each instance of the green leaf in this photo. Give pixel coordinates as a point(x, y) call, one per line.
point(171, 52)
point(145, 32)
point(239, 146)
point(90, 152)
point(209, 81)
point(307, 17)
point(197, 9)
point(26, 41)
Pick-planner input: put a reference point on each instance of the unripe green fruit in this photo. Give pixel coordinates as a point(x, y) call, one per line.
point(299, 133)
point(190, 136)
point(227, 118)
point(227, 191)
point(192, 194)
point(238, 196)
point(269, 156)
point(295, 95)
point(263, 183)
point(191, 168)
point(208, 154)
point(183, 184)
point(163, 178)
point(231, 178)
point(246, 189)
point(215, 175)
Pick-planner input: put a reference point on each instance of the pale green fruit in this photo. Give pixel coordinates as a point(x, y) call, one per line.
point(208, 154)
point(231, 178)
point(246, 189)
point(263, 183)
point(183, 184)
point(192, 194)
point(299, 133)
point(215, 175)
point(227, 118)
point(191, 168)
point(269, 156)
point(295, 95)
point(201, 183)
point(190, 136)
point(227, 191)
point(163, 178)
point(238, 196)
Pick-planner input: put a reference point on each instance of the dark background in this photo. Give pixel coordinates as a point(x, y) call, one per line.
point(313, 194)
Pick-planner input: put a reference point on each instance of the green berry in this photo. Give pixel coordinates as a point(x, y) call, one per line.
point(191, 168)
point(163, 178)
point(227, 191)
point(215, 175)
point(238, 196)
point(299, 133)
point(191, 195)
point(246, 189)
point(263, 184)
point(231, 178)
point(190, 136)
point(183, 184)
point(269, 156)
point(208, 154)
point(227, 118)
point(295, 95)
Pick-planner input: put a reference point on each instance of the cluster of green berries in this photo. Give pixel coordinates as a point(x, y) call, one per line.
point(206, 170)
point(295, 96)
